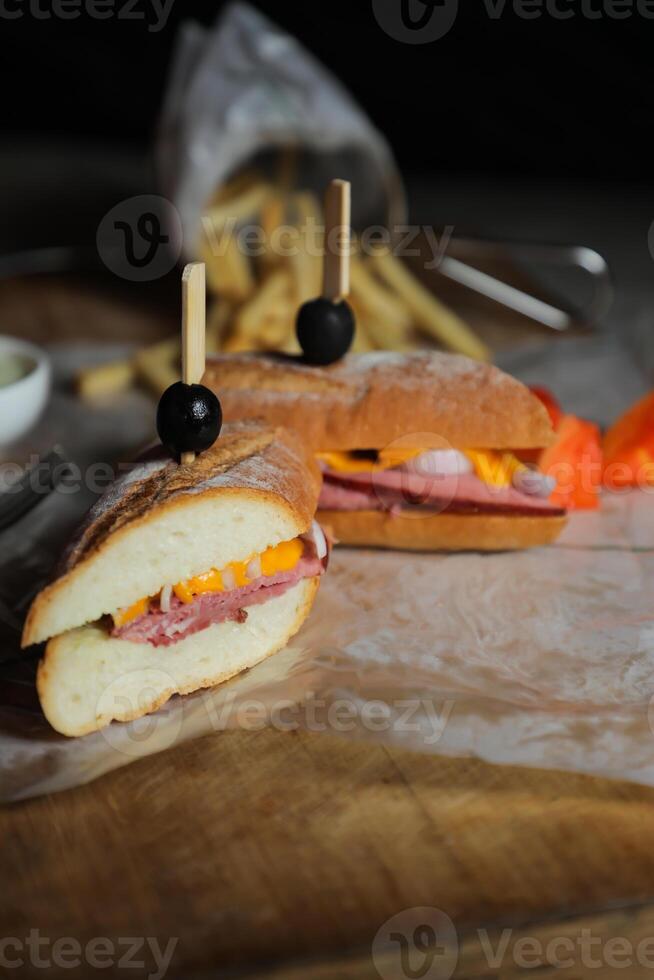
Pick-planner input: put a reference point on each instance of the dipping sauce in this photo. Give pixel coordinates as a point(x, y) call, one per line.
point(13, 367)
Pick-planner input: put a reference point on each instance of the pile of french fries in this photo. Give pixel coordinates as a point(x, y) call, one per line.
point(262, 246)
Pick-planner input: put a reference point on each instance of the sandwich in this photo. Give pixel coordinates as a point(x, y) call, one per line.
point(418, 450)
point(180, 577)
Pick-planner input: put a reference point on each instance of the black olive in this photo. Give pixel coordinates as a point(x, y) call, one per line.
point(189, 418)
point(324, 330)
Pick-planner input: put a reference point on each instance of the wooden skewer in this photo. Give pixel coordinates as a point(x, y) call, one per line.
point(193, 328)
point(336, 267)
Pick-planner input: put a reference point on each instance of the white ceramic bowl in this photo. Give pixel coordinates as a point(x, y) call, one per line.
point(23, 401)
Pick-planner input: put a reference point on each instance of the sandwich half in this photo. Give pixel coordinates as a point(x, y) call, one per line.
point(418, 450)
point(180, 577)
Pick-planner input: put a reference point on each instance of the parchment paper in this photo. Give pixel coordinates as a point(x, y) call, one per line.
point(542, 658)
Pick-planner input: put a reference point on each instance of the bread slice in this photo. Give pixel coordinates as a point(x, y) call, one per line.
point(441, 532)
point(161, 523)
point(87, 679)
point(366, 401)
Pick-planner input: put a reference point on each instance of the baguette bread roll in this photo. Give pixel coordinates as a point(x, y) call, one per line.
point(383, 400)
point(161, 523)
point(88, 679)
point(367, 401)
point(440, 532)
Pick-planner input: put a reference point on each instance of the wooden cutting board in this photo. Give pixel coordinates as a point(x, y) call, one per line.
point(281, 854)
point(259, 850)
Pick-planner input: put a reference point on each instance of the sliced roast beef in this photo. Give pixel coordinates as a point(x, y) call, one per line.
point(161, 628)
point(400, 487)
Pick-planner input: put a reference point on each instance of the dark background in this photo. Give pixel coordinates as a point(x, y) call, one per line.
point(554, 98)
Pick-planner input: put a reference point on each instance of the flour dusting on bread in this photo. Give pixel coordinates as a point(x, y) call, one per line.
point(366, 401)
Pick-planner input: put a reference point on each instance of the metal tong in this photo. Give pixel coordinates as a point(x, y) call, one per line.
point(562, 256)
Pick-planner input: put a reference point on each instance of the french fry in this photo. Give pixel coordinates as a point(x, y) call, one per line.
point(274, 331)
point(274, 209)
point(237, 208)
point(376, 297)
point(164, 350)
point(104, 380)
point(361, 342)
point(389, 301)
point(157, 376)
point(431, 316)
point(218, 320)
point(305, 274)
point(272, 295)
point(307, 211)
point(387, 318)
point(387, 336)
point(157, 366)
point(287, 169)
point(272, 215)
point(229, 272)
point(307, 207)
point(236, 186)
point(237, 343)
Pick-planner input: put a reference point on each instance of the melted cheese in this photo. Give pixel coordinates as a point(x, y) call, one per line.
point(351, 463)
point(280, 558)
point(346, 462)
point(211, 581)
point(494, 468)
point(129, 613)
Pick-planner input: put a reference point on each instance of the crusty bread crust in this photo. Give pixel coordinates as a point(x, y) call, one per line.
point(64, 699)
point(440, 532)
point(248, 459)
point(247, 456)
point(366, 401)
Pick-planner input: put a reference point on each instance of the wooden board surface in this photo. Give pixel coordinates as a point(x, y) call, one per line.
point(261, 849)
point(281, 855)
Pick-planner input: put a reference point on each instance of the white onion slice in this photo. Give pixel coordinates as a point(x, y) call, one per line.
point(533, 484)
point(317, 535)
point(228, 578)
point(165, 597)
point(173, 628)
point(253, 569)
point(440, 462)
